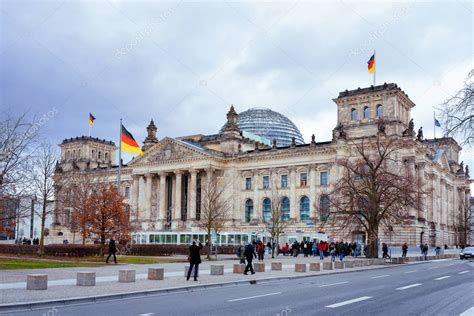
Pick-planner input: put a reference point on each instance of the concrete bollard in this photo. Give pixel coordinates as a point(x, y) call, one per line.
point(367, 262)
point(156, 273)
point(339, 265)
point(315, 266)
point(381, 261)
point(349, 264)
point(277, 266)
point(217, 269)
point(126, 275)
point(328, 265)
point(300, 267)
point(259, 267)
point(359, 263)
point(85, 279)
point(36, 281)
point(186, 268)
point(239, 268)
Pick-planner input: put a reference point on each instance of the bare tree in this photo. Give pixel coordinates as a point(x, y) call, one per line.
point(458, 112)
point(215, 208)
point(78, 186)
point(17, 143)
point(375, 190)
point(277, 221)
point(42, 171)
point(463, 223)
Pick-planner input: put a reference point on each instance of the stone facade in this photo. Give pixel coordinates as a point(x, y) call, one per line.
point(163, 187)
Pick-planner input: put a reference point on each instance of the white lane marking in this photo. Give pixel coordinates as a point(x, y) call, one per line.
point(250, 297)
point(147, 314)
point(380, 276)
point(433, 268)
point(468, 312)
point(408, 286)
point(355, 300)
point(411, 271)
point(462, 272)
point(331, 284)
point(443, 277)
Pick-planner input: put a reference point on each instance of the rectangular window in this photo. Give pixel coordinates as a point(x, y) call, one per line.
point(284, 181)
point(266, 182)
point(303, 179)
point(324, 178)
point(248, 183)
point(127, 192)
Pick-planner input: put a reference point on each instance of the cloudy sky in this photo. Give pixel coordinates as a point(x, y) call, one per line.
point(184, 63)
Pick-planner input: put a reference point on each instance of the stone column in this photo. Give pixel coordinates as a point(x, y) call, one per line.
point(192, 194)
point(412, 212)
point(293, 193)
point(149, 181)
point(256, 201)
point(162, 196)
point(209, 174)
point(177, 206)
point(134, 193)
point(312, 190)
point(422, 179)
point(141, 197)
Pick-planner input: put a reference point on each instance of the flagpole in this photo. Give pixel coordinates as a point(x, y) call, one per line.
point(375, 67)
point(120, 159)
point(90, 126)
point(434, 125)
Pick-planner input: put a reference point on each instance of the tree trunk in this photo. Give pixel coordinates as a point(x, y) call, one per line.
point(102, 244)
point(209, 243)
point(43, 220)
point(372, 243)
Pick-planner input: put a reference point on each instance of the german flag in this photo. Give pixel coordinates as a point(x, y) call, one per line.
point(91, 118)
point(371, 64)
point(128, 143)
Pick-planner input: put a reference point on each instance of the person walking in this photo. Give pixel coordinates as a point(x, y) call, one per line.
point(249, 255)
point(385, 251)
point(194, 259)
point(241, 253)
point(404, 250)
point(112, 251)
point(260, 250)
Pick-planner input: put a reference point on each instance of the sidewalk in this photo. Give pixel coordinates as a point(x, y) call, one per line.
point(62, 281)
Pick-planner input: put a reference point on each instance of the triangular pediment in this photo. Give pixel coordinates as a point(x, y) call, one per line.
point(170, 149)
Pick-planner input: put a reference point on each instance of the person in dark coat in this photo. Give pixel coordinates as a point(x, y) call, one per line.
point(112, 250)
point(249, 255)
point(194, 258)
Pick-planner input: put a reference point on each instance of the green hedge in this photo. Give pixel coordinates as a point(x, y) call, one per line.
point(71, 250)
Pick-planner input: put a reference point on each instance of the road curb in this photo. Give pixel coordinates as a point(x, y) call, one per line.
point(28, 306)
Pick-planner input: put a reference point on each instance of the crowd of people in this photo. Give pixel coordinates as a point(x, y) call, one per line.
point(339, 249)
point(27, 241)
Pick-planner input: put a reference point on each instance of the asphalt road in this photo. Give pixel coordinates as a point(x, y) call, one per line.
point(444, 287)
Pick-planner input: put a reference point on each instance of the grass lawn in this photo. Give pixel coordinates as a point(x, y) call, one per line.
point(137, 259)
point(28, 262)
point(16, 264)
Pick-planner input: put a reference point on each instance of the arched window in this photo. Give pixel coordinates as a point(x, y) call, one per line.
point(93, 154)
point(324, 208)
point(285, 209)
point(106, 156)
point(379, 110)
point(267, 209)
point(100, 155)
point(366, 112)
point(248, 210)
point(74, 154)
point(353, 114)
point(304, 208)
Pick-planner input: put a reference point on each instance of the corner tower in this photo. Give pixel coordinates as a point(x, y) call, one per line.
point(367, 111)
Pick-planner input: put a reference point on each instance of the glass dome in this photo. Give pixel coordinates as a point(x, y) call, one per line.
point(269, 124)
